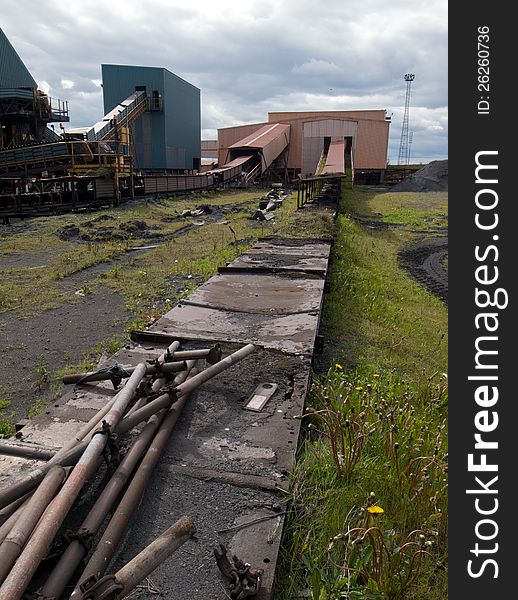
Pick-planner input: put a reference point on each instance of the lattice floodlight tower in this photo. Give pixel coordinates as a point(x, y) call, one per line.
point(410, 139)
point(404, 154)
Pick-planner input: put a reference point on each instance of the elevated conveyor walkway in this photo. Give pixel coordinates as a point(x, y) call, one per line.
point(267, 143)
point(335, 159)
point(81, 148)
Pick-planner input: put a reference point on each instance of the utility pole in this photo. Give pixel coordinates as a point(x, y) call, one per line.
point(404, 153)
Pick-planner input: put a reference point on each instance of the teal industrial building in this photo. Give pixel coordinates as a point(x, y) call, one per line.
point(167, 136)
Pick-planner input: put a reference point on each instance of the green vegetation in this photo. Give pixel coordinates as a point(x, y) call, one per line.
point(93, 356)
point(375, 311)
point(368, 510)
point(6, 418)
point(70, 244)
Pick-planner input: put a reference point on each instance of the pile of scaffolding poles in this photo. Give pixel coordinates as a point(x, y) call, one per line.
point(34, 507)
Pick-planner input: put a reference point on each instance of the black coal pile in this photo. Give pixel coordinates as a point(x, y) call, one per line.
point(433, 177)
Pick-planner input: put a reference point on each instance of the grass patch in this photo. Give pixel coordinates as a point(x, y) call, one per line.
point(375, 314)
point(47, 395)
point(36, 285)
point(368, 511)
point(419, 212)
point(7, 418)
point(91, 357)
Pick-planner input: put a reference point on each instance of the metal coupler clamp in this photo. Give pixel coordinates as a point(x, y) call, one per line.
point(107, 588)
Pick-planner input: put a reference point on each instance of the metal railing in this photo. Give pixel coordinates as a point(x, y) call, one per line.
point(74, 155)
point(51, 109)
point(123, 114)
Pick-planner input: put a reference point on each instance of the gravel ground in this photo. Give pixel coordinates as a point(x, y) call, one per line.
point(53, 339)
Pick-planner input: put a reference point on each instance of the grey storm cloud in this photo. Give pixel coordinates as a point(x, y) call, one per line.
point(249, 57)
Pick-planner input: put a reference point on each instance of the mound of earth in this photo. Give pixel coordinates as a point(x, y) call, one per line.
point(129, 230)
point(433, 177)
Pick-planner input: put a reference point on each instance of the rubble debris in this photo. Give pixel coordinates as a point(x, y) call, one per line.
point(270, 202)
point(262, 215)
point(202, 209)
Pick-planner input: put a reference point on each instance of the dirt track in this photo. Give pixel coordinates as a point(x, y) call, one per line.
point(425, 261)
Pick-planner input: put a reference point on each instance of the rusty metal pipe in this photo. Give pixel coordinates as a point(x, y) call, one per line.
point(24, 485)
point(113, 534)
point(171, 349)
point(96, 419)
point(92, 424)
point(9, 523)
point(31, 480)
point(212, 371)
point(16, 539)
point(8, 510)
point(28, 482)
point(151, 408)
point(25, 452)
point(118, 586)
point(69, 454)
point(193, 382)
point(75, 552)
point(25, 567)
point(143, 413)
point(212, 355)
point(159, 368)
point(158, 383)
point(155, 554)
point(83, 433)
point(57, 581)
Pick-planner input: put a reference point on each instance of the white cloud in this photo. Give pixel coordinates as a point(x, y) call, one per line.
point(316, 67)
point(44, 86)
point(250, 57)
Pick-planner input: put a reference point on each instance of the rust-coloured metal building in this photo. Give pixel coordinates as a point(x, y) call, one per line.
point(209, 148)
point(365, 134)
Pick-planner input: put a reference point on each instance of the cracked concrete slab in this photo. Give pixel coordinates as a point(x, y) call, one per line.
point(309, 258)
point(293, 334)
point(259, 293)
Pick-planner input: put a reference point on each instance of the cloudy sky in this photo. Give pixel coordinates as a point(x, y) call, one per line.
point(249, 57)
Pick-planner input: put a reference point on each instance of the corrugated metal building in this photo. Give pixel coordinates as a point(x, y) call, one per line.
point(365, 133)
point(167, 136)
point(230, 135)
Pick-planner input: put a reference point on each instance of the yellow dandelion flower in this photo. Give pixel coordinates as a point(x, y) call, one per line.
point(375, 510)
point(376, 375)
point(359, 388)
point(338, 366)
